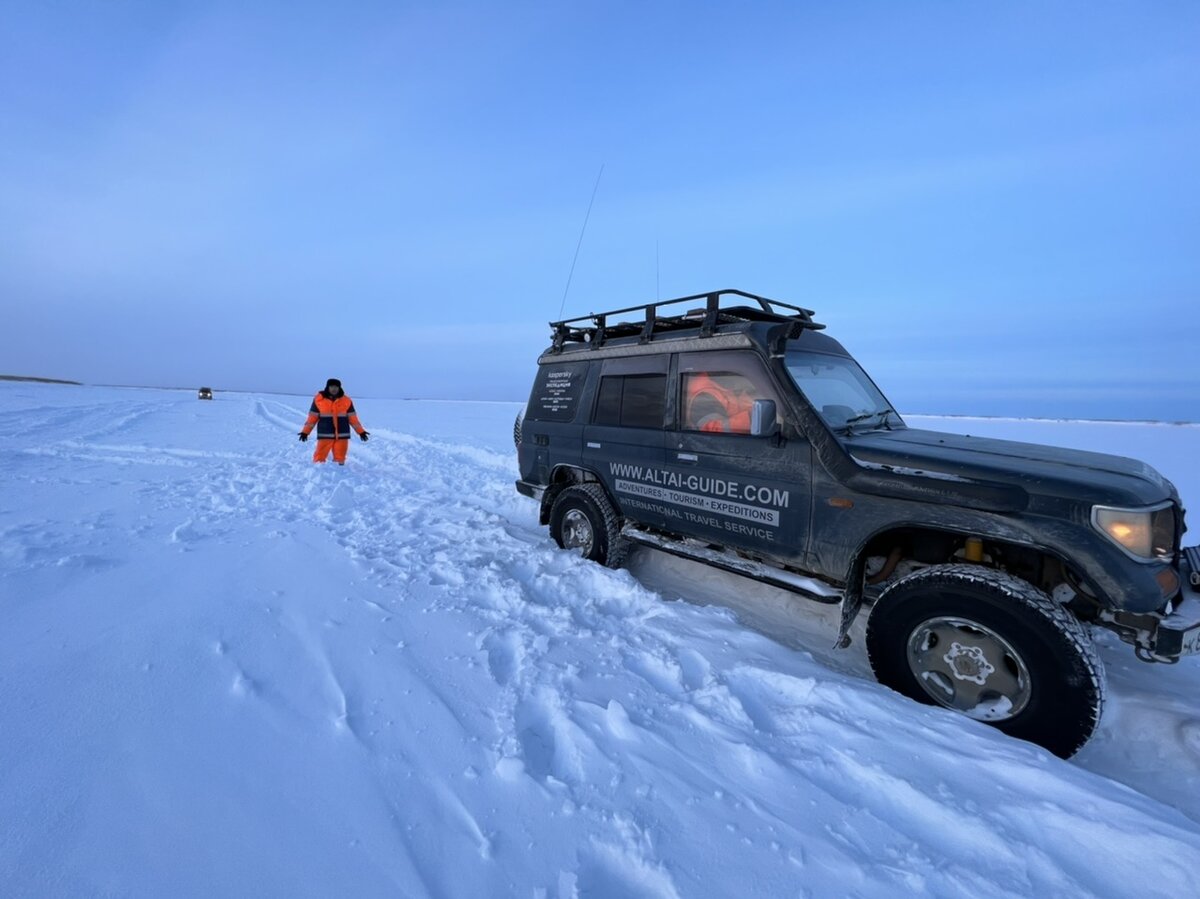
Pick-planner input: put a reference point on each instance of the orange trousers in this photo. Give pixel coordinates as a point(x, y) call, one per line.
point(339, 447)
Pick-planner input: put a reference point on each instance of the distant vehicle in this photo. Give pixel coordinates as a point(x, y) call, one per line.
point(205, 393)
point(738, 435)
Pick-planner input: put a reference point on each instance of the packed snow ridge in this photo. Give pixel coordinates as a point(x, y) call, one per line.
point(227, 671)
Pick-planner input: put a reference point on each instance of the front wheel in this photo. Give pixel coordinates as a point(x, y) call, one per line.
point(993, 647)
point(582, 519)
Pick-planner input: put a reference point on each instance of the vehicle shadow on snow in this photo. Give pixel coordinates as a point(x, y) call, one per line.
point(1149, 735)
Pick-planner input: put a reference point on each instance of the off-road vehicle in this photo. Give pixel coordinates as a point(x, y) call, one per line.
point(204, 393)
point(725, 427)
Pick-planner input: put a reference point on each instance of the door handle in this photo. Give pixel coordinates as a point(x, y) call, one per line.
point(687, 457)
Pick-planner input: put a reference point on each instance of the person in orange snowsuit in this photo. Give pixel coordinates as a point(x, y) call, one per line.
point(332, 412)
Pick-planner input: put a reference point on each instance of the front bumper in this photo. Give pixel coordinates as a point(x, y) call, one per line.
point(1165, 638)
point(1179, 633)
point(1191, 566)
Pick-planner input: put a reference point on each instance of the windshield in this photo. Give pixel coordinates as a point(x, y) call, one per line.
point(840, 391)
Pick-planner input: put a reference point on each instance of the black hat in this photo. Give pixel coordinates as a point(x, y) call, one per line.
point(332, 382)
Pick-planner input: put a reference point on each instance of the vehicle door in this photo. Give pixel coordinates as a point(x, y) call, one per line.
point(625, 437)
point(752, 492)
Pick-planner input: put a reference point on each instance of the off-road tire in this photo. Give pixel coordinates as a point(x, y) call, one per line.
point(1065, 685)
point(520, 419)
point(586, 506)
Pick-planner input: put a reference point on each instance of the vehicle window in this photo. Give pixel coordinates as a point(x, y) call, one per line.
point(719, 390)
point(632, 401)
point(556, 391)
point(839, 389)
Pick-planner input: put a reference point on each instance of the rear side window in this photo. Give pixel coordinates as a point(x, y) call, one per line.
point(632, 401)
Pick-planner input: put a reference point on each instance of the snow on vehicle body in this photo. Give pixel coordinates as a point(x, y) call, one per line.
point(739, 435)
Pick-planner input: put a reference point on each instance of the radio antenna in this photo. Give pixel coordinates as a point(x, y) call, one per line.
point(657, 289)
point(586, 216)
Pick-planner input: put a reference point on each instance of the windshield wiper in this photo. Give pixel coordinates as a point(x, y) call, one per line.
point(883, 422)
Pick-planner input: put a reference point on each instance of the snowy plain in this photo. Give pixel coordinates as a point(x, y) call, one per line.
point(227, 671)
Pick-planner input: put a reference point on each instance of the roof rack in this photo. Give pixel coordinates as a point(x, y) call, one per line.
point(600, 326)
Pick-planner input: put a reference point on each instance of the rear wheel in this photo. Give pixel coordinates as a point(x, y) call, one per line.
point(582, 519)
point(990, 646)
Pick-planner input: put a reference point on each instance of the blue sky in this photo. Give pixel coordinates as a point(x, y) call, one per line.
point(995, 206)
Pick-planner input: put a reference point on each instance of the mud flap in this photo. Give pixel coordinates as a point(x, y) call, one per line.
point(852, 602)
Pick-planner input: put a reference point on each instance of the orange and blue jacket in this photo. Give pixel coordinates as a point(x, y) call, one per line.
point(333, 417)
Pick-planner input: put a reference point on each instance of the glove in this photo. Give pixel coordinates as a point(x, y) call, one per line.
point(364, 435)
point(303, 436)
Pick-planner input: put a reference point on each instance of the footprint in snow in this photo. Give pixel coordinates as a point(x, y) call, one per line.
point(85, 561)
point(695, 669)
point(243, 686)
point(662, 673)
point(1189, 734)
point(505, 653)
point(617, 720)
point(551, 745)
point(622, 870)
point(340, 500)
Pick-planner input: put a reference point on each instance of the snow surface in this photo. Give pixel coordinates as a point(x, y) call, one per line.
point(227, 671)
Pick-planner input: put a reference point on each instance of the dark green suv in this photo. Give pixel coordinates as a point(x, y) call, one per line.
point(732, 431)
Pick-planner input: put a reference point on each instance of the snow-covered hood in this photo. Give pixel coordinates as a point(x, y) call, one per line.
point(1038, 470)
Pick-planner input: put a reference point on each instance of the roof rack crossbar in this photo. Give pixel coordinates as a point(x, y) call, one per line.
point(597, 327)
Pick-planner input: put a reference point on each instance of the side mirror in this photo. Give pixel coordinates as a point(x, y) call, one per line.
point(762, 419)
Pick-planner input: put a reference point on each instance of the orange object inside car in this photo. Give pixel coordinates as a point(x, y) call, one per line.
point(718, 402)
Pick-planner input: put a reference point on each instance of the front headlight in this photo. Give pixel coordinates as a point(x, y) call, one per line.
point(1146, 534)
